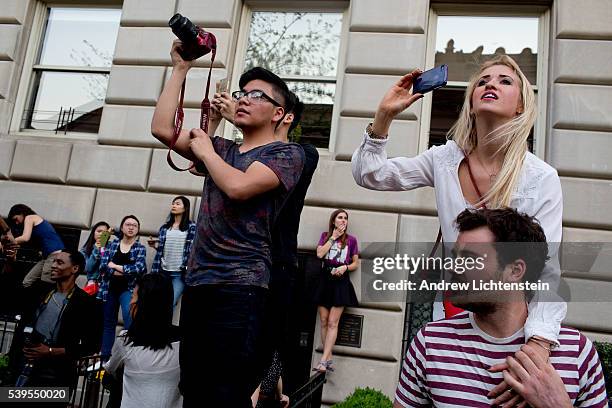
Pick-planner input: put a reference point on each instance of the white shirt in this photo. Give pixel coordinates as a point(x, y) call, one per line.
point(173, 250)
point(150, 378)
point(537, 193)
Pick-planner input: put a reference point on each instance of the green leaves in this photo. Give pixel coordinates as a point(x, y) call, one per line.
point(365, 398)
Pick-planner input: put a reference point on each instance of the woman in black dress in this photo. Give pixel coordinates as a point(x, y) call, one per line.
point(340, 254)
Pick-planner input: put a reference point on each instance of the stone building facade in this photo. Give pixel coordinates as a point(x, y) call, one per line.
point(75, 179)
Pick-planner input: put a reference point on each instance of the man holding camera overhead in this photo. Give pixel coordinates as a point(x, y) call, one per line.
point(229, 267)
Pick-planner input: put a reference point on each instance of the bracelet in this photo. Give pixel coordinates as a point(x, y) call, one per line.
point(539, 343)
point(371, 134)
point(50, 351)
point(551, 344)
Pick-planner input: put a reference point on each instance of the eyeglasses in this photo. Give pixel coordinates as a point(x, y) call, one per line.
point(254, 95)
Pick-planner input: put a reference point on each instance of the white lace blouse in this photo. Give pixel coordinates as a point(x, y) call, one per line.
point(538, 193)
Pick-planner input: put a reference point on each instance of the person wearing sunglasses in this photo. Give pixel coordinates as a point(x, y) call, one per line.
point(229, 268)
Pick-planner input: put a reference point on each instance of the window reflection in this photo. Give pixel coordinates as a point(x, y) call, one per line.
point(464, 43)
point(313, 92)
point(67, 101)
point(302, 48)
point(294, 43)
point(315, 126)
point(80, 37)
point(70, 78)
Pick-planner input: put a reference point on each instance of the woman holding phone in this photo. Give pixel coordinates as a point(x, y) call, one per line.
point(120, 267)
point(174, 245)
point(92, 250)
point(485, 162)
point(340, 254)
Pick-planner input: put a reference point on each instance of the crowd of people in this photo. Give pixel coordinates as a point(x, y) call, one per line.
point(234, 269)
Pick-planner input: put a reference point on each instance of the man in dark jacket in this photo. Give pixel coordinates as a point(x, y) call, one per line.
point(66, 325)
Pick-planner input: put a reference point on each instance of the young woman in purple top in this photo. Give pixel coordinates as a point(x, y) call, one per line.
point(340, 254)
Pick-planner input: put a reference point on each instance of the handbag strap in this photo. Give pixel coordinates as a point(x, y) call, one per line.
point(180, 115)
point(437, 244)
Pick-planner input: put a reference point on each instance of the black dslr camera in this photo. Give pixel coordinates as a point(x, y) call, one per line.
point(196, 41)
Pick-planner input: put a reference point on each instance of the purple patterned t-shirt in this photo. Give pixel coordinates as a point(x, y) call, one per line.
point(233, 238)
point(336, 255)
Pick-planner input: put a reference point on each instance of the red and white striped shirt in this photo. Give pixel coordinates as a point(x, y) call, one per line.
point(446, 366)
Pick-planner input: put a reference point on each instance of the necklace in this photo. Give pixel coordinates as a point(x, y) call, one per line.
point(492, 175)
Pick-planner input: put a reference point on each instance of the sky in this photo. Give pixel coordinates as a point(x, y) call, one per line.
point(512, 33)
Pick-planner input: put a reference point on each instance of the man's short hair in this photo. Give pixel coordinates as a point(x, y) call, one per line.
point(76, 258)
point(510, 226)
point(278, 85)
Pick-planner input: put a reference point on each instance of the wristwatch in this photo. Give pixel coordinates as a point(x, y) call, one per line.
point(370, 132)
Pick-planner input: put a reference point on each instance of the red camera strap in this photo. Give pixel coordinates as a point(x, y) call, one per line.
point(180, 115)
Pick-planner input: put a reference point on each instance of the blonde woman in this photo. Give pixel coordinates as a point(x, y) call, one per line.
point(485, 162)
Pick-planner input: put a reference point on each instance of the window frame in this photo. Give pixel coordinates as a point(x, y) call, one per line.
point(29, 69)
point(543, 15)
point(249, 7)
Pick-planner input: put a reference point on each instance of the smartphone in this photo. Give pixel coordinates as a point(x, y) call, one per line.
point(429, 80)
point(222, 85)
point(104, 237)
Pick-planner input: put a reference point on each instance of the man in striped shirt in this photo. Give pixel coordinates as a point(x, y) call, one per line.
point(448, 362)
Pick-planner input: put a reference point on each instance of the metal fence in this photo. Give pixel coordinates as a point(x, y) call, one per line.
point(89, 391)
point(309, 394)
point(7, 330)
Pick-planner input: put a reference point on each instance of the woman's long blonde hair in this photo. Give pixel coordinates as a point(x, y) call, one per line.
point(511, 136)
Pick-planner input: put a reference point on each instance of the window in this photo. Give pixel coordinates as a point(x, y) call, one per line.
point(302, 48)
point(463, 42)
point(70, 70)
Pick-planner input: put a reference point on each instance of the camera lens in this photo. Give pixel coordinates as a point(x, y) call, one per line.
point(183, 28)
point(175, 20)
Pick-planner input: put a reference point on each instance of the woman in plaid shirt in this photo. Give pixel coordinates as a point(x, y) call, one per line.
point(120, 267)
point(174, 245)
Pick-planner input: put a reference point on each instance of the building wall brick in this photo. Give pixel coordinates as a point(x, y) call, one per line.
point(394, 16)
point(113, 205)
point(7, 148)
point(134, 85)
point(65, 205)
point(41, 161)
point(110, 166)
